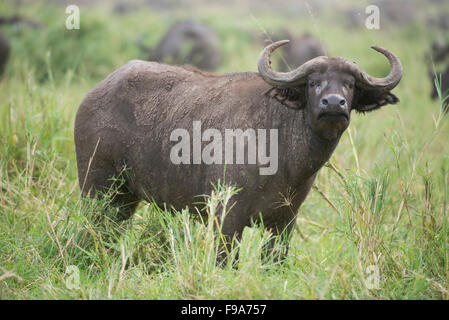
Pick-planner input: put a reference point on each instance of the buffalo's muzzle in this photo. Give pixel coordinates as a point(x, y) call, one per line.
point(333, 106)
point(333, 101)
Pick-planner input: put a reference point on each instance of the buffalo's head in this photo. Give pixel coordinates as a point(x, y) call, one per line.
point(330, 88)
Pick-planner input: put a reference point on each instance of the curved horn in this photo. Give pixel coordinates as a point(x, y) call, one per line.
point(299, 75)
point(293, 77)
point(387, 83)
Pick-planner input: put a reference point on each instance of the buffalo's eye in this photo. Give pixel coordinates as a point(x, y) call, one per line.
point(312, 83)
point(350, 85)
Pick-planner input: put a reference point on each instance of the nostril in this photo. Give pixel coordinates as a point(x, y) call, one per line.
point(342, 102)
point(324, 102)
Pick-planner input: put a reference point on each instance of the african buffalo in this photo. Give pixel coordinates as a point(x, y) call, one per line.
point(122, 7)
point(441, 21)
point(398, 12)
point(355, 17)
point(440, 53)
point(199, 42)
point(10, 20)
point(134, 117)
point(440, 50)
point(4, 43)
point(4, 52)
point(301, 49)
point(443, 78)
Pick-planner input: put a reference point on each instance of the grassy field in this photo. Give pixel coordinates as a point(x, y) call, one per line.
point(378, 208)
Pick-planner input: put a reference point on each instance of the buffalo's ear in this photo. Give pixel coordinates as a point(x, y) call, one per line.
point(366, 100)
point(292, 97)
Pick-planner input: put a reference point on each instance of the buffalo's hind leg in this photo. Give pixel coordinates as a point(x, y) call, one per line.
point(125, 203)
point(99, 179)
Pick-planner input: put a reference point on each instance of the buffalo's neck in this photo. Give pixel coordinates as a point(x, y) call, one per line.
point(319, 152)
point(302, 152)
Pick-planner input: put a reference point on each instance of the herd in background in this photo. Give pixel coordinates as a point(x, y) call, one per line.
point(197, 44)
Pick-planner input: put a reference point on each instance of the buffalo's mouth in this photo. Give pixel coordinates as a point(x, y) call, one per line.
point(333, 116)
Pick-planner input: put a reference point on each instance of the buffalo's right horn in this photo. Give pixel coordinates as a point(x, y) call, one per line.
point(294, 77)
point(387, 83)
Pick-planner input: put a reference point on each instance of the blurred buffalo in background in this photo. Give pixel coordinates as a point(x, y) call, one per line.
point(440, 53)
point(187, 42)
point(354, 17)
point(300, 49)
point(4, 43)
point(4, 52)
point(440, 21)
point(122, 7)
point(20, 20)
point(398, 12)
point(440, 50)
point(443, 80)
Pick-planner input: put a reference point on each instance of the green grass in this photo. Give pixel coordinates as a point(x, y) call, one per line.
point(381, 201)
